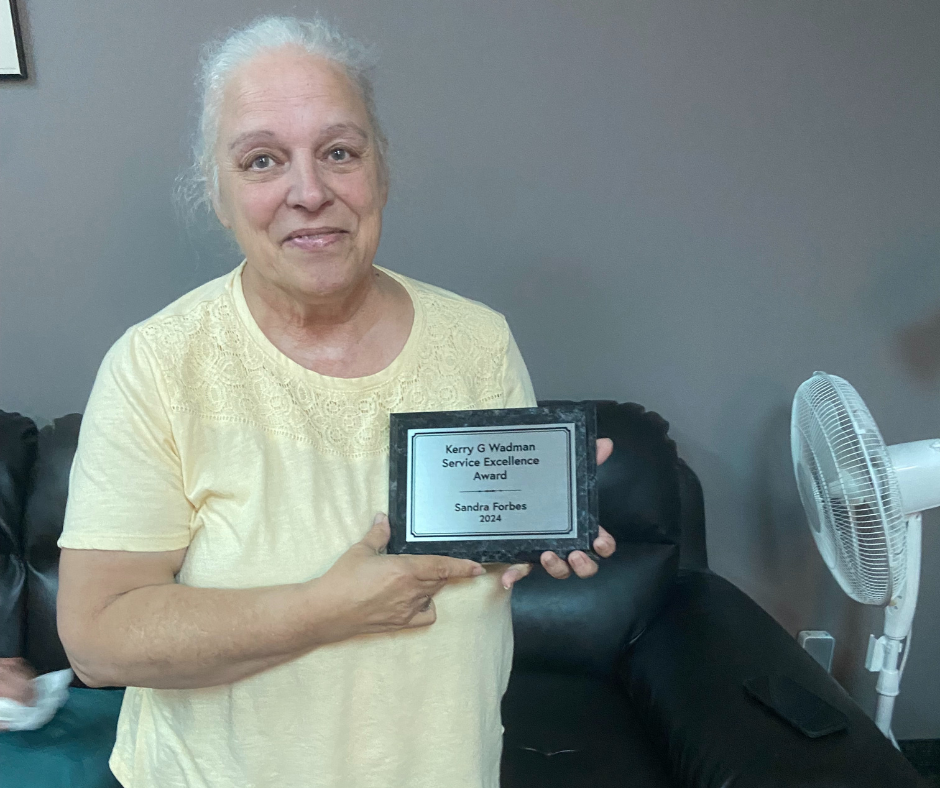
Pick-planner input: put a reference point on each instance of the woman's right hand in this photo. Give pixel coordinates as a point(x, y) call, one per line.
point(371, 592)
point(16, 682)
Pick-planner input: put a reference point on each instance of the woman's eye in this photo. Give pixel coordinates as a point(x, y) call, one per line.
point(339, 155)
point(262, 162)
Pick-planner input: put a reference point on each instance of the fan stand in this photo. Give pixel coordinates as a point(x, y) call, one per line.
point(884, 653)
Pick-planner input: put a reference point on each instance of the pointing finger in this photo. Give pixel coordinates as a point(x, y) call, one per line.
point(437, 568)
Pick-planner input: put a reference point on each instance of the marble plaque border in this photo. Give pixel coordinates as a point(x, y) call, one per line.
point(581, 414)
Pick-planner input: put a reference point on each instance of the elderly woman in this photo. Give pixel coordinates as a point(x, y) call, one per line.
point(222, 556)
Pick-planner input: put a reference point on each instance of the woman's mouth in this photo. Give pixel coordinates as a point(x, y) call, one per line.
point(314, 239)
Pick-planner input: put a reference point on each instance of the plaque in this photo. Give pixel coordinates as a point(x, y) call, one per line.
point(495, 486)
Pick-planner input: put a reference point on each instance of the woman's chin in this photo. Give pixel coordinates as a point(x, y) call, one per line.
point(323, 274)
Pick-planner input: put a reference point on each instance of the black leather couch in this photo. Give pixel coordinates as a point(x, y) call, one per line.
point(632, 678)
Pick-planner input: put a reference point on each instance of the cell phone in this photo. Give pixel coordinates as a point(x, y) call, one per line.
point(804, 710)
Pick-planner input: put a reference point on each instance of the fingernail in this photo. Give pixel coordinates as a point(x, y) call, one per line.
point(506, 585)
point(478, 570)
point(378, 518)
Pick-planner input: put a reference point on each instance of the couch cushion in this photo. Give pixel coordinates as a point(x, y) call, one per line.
point(568, 730)
point(576, 625)
point(71, 750)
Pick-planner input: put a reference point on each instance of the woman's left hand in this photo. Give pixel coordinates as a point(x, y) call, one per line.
point(578, 561)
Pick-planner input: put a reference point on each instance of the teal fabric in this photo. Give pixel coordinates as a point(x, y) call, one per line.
point(70, 751)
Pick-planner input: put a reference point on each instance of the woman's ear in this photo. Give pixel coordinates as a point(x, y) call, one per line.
point(383, 188)
point(220, 212)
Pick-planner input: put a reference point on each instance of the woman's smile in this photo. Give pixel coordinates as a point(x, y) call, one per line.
point(314, 240)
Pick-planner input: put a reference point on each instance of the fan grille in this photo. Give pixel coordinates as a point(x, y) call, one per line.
point(849, 489)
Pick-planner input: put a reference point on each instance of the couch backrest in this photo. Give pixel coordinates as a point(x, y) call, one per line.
point(42, 525)
point(18, 443)
point(34, 471)
point(649, 500)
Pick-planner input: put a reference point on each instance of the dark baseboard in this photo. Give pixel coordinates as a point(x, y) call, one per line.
point(924, 755)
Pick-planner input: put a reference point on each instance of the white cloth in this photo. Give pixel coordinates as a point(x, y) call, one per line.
point(51, 690)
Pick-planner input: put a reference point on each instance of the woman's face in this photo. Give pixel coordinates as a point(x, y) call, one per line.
point(299, 177)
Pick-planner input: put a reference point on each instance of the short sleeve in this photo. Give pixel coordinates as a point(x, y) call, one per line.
point(126, 487)
point(517, 386)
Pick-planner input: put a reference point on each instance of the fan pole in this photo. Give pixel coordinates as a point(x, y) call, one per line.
point(898, 618)
point(889, 681)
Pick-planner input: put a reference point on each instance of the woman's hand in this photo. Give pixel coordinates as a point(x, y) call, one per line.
point(578, 561)
point(372, 592)
point(15, 678)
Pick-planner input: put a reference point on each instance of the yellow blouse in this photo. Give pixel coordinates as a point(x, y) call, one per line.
point(199, 433)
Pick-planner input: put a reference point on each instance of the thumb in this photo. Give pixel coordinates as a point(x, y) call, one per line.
point(605, 447)
point(379, 533)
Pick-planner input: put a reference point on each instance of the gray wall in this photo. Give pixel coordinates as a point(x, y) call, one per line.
point(690, 205)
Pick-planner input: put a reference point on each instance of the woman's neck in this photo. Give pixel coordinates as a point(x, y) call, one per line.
point(354, 332)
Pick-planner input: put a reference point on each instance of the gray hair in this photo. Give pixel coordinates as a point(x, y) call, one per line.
point(199, 185)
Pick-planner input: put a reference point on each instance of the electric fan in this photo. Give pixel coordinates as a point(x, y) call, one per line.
point(864, 501)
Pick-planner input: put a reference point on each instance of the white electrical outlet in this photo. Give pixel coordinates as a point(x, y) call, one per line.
point(819, 645)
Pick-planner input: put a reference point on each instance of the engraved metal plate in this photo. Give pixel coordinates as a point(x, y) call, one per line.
point(494, 485)
point(480, 482)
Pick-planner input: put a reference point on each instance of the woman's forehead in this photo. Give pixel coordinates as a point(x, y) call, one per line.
point(288, 87)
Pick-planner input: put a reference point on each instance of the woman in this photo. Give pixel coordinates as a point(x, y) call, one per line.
point(217, 556)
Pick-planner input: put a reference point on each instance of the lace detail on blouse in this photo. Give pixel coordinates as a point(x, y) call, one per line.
point(214, 369)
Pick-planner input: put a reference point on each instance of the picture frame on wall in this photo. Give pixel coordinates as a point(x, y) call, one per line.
point(12, 56)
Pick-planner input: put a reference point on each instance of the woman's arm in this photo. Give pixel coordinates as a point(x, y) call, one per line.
point(123, 619)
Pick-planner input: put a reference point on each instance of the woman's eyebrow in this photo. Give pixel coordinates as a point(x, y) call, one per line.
point(344, 128)
point(250, 136)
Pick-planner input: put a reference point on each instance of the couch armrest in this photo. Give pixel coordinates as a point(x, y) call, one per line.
point(684, 676)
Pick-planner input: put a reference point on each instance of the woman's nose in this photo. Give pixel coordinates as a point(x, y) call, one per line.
point(307, 188)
